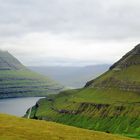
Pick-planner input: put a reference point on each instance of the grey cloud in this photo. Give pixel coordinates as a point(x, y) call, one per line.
point(47, 61)
point(93, 19)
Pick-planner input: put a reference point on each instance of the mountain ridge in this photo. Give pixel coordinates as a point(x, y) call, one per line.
point(117, 76)
point(122, 63)
point(9, 62)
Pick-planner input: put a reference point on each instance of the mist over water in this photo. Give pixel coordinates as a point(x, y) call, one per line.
point(17, 106)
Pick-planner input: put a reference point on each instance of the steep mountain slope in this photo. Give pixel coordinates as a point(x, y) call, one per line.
point(72, 76)
point(17, 81)
point(109, 103)
point(123, 75)
point(13, 128)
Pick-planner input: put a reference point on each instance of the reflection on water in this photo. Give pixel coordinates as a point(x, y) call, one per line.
point(17, 106)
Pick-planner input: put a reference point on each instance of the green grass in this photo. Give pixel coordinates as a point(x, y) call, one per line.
point(109, 103)
point(130, 74)
point(14, 128)
point(112, 119)
point(21, 83)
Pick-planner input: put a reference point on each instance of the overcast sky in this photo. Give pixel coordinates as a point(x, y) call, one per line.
point(69, 32)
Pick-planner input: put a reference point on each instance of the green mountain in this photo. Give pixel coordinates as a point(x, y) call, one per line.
point(109, 103)
point(17, 81)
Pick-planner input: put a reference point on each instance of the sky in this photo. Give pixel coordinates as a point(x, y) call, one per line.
point(69, 32)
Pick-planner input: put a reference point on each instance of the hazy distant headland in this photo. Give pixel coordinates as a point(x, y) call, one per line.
point(72, 76)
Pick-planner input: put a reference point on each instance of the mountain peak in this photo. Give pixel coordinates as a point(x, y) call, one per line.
point(131, 58)
point(9, 62)
point(137, 49)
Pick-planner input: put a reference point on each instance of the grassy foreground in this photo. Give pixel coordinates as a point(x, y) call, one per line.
point(14, 128)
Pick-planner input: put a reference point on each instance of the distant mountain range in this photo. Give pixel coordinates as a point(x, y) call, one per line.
point(18, 81)
point(109, 103)
point(72, 77)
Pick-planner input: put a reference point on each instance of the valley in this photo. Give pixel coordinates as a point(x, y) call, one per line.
point(69, 70)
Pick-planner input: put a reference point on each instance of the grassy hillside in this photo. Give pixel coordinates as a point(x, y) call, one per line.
point(109, 103)
point(13, 128)
point(17, 81)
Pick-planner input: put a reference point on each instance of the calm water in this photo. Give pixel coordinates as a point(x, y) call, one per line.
point(17, 106)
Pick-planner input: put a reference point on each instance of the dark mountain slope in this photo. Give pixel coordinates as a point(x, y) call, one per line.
point(17, 81)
